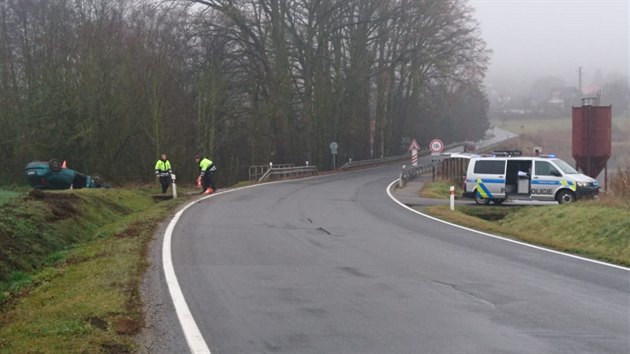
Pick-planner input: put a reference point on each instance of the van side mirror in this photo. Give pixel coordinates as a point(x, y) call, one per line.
point(555, 173)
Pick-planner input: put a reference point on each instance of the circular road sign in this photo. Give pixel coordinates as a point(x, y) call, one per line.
point(333, 148)
point(436, 145)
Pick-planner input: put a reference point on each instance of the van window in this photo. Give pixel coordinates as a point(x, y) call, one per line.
point(490, 167)
point(544, 168)
point(565, 167)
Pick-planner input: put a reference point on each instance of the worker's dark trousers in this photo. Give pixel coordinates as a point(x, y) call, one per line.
point(165, 181)
point(208, 181)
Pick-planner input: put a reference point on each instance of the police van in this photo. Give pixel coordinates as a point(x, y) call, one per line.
point(508, 175)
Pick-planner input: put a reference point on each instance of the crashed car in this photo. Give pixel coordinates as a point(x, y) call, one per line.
point(55, 175)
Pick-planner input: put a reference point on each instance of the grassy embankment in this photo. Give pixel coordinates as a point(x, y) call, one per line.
point(596, 229)
point(439, 190)
point(70, 268)
point(585, 228)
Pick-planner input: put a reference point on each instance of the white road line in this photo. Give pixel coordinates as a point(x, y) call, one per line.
point(391, 196)
point(196, 343)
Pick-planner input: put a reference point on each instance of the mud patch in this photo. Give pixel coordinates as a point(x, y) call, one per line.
point(131, 231)
point(37, 194)
point(134, 230)
point(116, 348)
point(116, 208)
point(488, 213)
point(97, 322)
point(62, 205)
point(126, 325)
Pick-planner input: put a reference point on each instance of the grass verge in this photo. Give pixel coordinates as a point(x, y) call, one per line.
point(71, 267)
point(593, 229)
point(439, 190)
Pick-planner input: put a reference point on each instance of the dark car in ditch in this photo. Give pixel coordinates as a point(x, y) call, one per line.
point(54, 174)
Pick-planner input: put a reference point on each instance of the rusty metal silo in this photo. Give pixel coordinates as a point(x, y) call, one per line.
point(592, 137)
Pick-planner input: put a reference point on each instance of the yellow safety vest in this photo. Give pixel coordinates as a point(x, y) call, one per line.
point(162, 166)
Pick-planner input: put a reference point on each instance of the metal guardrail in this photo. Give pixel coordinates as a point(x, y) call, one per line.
point(255, 172)
point(288, 172)
point(421, 153)
point(409, 173)
point(373, 161)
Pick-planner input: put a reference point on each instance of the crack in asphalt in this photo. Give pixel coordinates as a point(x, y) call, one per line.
point(324, 231)
point(470, 294)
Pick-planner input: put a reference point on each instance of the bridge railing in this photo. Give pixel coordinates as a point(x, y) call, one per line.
point(288, 172)
point(255, 172)
point(351, 164)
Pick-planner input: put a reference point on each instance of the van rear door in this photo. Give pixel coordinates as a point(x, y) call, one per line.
point(490, 178)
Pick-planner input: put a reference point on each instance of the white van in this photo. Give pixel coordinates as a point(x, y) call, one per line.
point(526, 178)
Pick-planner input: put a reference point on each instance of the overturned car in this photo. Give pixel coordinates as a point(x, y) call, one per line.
point(55, 175)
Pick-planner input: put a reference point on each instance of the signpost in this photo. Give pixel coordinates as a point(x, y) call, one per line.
point(436, 146)
point(414, 147)
point(333, 152)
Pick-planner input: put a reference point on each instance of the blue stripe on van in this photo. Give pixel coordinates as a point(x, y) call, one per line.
point(547, 183)
point(486, 180)
point(489, 180)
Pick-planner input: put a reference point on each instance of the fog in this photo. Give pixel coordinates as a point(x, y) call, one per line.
point(531, 39)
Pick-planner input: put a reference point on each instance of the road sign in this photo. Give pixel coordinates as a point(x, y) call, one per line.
point(414, 145)
point(333, 148)
point(333, 152)
point(436, 145)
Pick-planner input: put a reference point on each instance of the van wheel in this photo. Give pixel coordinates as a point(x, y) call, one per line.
point(481, 200)
point(498, 201)
point(565, 197)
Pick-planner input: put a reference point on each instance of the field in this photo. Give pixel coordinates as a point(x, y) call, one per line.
point(554, 136)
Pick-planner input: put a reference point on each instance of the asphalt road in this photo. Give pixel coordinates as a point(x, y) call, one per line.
point(332, 265)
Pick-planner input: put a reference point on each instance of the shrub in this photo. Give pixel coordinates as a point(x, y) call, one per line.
point(620, 181)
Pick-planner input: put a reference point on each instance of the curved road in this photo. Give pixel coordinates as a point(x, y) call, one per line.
point(332, 265)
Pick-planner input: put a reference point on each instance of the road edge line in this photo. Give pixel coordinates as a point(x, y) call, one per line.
point(194, 338)
point(540, 248)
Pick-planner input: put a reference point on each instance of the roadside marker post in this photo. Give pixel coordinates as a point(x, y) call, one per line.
point(452, 198)
point(401, 180)
point(174, 185)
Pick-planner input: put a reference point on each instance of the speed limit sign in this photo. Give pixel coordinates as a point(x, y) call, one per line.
point(436, 145)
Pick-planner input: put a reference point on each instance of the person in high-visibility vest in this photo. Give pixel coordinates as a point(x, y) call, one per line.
point(163, 172)
point(206, 170)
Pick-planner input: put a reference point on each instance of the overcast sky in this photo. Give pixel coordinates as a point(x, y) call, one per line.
point(535, 38)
